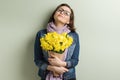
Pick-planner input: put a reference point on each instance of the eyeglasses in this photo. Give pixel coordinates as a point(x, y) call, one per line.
point(66, 13)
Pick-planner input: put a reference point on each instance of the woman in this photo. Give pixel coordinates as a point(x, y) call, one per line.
point(62, 20)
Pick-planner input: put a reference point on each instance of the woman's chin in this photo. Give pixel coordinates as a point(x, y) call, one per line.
point(61, 21)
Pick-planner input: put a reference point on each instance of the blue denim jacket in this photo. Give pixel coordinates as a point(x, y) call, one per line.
point(72, 58)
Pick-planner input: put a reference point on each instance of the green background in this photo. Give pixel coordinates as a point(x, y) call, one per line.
point(97, 22)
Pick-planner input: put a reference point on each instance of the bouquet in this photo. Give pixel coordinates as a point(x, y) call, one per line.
point(56, 44)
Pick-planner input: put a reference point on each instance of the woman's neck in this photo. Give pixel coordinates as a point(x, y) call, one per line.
point(57, 24)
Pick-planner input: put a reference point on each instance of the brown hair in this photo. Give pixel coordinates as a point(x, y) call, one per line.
point(71, 23)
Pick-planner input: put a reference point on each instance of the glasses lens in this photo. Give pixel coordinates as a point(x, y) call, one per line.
point(66, 13)
point(60, 10)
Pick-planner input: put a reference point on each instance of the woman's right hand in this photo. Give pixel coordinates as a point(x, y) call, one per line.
point(59, 70)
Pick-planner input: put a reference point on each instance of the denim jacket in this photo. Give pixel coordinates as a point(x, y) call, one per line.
point(41, 56)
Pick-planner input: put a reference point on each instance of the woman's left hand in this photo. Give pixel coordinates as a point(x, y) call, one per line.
point(55, 61)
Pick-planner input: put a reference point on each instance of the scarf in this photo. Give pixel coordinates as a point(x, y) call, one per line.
point(52, 28)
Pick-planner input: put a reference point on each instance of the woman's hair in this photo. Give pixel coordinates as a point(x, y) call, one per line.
point(71, 23)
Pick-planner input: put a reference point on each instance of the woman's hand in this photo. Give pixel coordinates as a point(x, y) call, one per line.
point(58, 70)
point(55, 61)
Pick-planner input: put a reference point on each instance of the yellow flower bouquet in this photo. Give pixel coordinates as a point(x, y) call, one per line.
point(56, 42)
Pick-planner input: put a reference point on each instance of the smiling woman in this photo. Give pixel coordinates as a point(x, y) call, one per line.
point(62, 15)
point(52, 67)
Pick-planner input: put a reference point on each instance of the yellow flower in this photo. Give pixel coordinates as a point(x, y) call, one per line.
point(56, 42)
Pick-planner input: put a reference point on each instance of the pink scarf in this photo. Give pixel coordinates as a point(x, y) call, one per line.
point(52, 28)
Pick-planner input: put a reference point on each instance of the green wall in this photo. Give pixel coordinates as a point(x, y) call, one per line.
point(97, 22)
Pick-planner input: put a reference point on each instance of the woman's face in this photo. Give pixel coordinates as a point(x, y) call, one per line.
point(62, 15)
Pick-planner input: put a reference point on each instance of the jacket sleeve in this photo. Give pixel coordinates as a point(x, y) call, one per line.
point(75, 57)
point(38, 54)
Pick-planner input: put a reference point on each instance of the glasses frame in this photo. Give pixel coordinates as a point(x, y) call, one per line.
point(65, 12)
